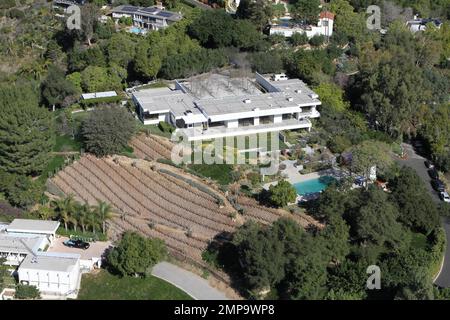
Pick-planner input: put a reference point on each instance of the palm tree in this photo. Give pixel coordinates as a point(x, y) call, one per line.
point(66, 209)
point(46, 213)
point(83, 212)
point(92, 221)
point(103, 211)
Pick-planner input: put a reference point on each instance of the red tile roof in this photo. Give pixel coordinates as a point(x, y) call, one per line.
point(327, 14)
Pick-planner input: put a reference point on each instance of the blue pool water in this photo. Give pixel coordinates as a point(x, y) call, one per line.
point(135, 30)
point(313, 185)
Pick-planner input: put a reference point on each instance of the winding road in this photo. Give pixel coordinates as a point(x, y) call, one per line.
point(416, 162)
point(195, 286)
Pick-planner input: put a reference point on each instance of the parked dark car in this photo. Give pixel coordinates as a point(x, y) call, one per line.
point(438, 185)
point(428, 164)
point(433, 173)
point(79, 244)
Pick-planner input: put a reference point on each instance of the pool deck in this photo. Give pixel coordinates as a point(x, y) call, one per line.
point(292, 174)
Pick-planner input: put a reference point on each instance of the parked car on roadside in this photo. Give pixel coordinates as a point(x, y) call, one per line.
point(429, 164)
point(79, 244)
point(444, 196)
point(438, 185)
point(433, 173)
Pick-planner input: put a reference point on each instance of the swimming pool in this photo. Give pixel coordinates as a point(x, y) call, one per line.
point(136, 30)
point(313, 185)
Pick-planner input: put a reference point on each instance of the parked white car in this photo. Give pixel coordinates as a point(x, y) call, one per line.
point(445, 197)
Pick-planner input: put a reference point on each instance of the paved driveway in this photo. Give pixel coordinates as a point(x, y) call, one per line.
point(195, 286)
point(416, 162)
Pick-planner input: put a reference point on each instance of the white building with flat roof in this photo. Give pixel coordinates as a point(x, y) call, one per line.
point(39, 227)
point(150, 18)
point(216, 105)
point(324, 27)
point(55, 274)
point(23, 243)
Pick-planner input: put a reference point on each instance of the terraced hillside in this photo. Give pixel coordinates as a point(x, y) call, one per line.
point(160, 201)
point(151, 147)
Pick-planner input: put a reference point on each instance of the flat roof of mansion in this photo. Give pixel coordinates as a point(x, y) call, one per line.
point(33, 226)
point(63, 262)
point(216, 95)
point(19, 244)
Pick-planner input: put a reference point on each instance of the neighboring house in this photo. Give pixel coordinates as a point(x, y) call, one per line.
point(54, 274)
point(324, 27)
point(421, 24)
point(67, 3)
point(151, 18)
point(24, 243)
point(215, 106)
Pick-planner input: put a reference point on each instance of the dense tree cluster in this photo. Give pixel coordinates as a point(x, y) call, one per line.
point(363, 227)
point(136, 255)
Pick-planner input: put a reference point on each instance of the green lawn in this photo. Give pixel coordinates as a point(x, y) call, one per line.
point(217, 172)
point(66, 143)
point(419, 241)
point(55, 163)
point(154, 129)
point(105, 286)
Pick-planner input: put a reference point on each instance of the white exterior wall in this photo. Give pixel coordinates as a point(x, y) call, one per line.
point(278, 118)
point(320, 29)
point(51, 282)
point(232, 124)
point(256, 121)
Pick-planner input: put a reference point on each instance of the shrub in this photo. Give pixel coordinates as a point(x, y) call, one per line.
point(299, 39)
point(27, 292)
point(282, 193)
point(16, 14)
point(166, 127)
point(317, 40)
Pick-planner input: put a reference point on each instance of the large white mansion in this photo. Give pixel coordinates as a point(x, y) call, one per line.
point(216, 105)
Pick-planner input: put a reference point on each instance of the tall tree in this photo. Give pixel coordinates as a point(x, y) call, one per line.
point(377, 220)
point(417, 208)
point(307, 10)
point(136, 255)
point(282, 193)
point(55, 87)
point(259, 12)
point(89, 18)
point(103, 211)
point(25, 131)
point(107, 130)
point(369, 154)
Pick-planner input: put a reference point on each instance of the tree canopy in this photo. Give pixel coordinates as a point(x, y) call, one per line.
point(136, 255)
point(107, 130)
point(25, 130)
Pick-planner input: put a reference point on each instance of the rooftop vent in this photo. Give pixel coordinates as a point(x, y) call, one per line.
point(247, 101)
point(314, 96)
point(290, 99)
point(298, 91)
point(256, 109)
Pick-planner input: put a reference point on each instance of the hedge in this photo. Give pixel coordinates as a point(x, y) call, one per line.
point(27, 292)
point(166, 127)
point(94, 101)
